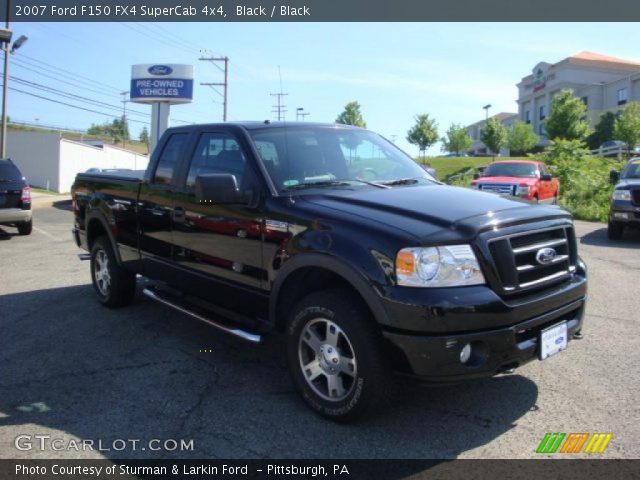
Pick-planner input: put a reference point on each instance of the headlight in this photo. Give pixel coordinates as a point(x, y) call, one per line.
point(449, 266)
point(522, 190)
point(622, 195)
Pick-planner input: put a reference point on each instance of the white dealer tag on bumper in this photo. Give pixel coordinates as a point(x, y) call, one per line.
point(553, 340)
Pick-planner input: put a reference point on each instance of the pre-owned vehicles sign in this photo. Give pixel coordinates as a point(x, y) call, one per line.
point(172, 83)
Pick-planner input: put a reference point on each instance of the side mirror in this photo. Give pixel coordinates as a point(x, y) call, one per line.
point(476, 176)
point(546, 177)
point(220, 189)
point(614, 176)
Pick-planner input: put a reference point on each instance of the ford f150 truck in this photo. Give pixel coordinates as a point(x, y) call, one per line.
point(334, 237)
point(624, 208)
point(526, 179)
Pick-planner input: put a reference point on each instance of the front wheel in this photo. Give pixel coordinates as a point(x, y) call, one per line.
point(114, 285)
point(614, 230)
point(335, 356)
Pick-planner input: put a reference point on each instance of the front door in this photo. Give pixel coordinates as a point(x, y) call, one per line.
point(220, 241)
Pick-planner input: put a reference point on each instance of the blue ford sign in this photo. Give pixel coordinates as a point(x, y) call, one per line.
point(160, 70)
point(153, 83)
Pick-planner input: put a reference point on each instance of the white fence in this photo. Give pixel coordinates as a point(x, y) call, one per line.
point(614, 151)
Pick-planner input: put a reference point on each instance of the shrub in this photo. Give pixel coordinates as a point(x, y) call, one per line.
point(584, 180)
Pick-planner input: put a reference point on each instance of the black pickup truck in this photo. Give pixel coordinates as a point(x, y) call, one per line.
point(624, 206)
point(334, 237)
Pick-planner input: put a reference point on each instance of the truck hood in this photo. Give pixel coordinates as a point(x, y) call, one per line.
point(428, 211)
point(518, 180)
point(628, 183)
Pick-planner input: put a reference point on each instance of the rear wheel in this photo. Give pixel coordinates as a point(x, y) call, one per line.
point(114, 285)
point(24, 228)
point(614, 230)
point(335, 357)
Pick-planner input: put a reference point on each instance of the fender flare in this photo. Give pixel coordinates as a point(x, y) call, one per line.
point(95, 214)
point(336, 266)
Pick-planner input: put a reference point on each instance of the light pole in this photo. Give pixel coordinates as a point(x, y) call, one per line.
point(5, 87)
point(486, 111)
point(300, 113)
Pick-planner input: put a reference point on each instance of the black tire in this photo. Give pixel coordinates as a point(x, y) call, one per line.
point(119, 286)
point(24, 228)
point(614, 230)
point(367, 387)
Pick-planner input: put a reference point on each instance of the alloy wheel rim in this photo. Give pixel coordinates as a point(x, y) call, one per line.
point(327, 359)
point(101, 272)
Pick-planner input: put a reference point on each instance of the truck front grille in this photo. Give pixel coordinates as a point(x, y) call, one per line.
point(521, 262)
point(635, 196)
point(508, 188)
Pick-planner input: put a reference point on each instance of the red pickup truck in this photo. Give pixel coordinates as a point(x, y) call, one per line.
point(527, 179)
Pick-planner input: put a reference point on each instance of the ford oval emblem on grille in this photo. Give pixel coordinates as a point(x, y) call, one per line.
point(545, 256)
point(160, 70)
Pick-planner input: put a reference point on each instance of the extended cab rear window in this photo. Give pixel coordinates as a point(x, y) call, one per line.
point(169, 158)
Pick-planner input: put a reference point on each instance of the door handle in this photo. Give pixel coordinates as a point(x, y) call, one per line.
point(178, 214)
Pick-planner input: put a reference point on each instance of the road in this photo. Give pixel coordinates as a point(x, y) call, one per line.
point(74, 370)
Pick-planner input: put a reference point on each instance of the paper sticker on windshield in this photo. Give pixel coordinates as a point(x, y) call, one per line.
point(276, 226)
point(290, 183)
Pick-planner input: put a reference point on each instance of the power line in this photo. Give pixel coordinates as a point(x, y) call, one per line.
point(224, 85)
point(279, 109)
point(70, 105)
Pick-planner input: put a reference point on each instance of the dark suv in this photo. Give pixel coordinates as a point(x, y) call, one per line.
point(15, 198)
point(625, 201)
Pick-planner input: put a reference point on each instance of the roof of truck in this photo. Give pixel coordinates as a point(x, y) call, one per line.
point(253, 125)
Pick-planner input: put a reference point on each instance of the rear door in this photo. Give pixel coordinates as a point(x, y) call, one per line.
point(155, 207)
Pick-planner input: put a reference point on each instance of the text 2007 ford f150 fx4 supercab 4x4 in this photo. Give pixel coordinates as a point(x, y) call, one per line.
point(334, 237)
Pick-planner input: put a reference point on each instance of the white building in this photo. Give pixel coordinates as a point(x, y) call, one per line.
point(49, 161)
point(603, 83)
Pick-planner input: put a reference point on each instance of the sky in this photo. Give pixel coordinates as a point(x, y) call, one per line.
point(394, 70)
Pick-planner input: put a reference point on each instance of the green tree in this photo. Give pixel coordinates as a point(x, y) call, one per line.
point(603, 131)
point(456, 139)
point(521, 138)
point(566, 117)
point(116, 130)
point(494, 135)
point(351, 115)
point(144, 136)
point(424, 133)
point(627, 126)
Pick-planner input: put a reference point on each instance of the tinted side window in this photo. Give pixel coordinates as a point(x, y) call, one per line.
point(169, 158)
point(217, 153)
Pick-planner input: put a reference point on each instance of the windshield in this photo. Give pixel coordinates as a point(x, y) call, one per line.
point(296, 157)
point(511, 170)
point(632, 170)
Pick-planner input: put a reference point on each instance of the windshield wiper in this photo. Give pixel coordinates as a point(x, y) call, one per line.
point(400, 181)
point(373, 184)
point(328, 183)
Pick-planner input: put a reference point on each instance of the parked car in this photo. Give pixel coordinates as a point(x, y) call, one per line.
point(363, 277)
point(525, 179)
point(15, 198)
point(612, 148)
point(624, 210)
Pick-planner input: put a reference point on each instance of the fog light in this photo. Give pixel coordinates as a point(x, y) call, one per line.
point(623, 215)
point(465, 353)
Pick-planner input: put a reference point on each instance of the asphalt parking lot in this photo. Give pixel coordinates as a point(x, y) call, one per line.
point(74, 370)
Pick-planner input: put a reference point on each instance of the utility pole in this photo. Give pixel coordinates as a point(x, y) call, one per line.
point(124, 116)
point(279, 109)
point(225, 85)
point(300, 114)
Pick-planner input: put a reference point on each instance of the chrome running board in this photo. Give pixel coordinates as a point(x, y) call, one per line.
point(159, 297)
